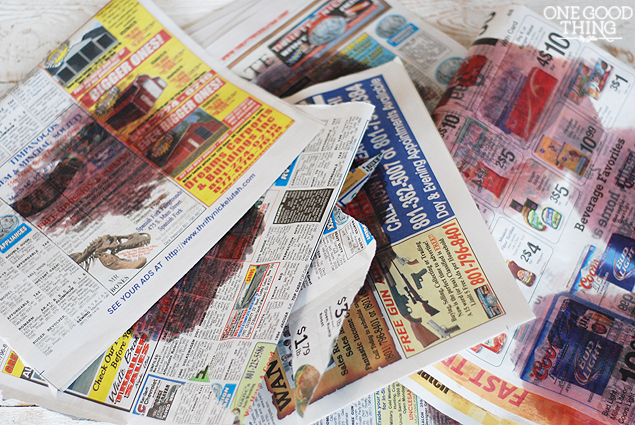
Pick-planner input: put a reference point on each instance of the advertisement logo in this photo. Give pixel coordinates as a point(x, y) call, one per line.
point(590, 23)
point(13, 238)
point(621, 266)
point(585, 364)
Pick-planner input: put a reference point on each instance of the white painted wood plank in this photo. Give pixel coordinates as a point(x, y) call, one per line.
point(30, 415)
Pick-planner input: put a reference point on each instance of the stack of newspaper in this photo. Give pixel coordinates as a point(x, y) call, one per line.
point(133, 291)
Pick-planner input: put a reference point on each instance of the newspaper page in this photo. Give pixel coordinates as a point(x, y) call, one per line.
point(201, 352)
point(290, 381)
point(286, 46)
point(540, 124)
point(336, 275)
point(124, 152)
point(393, 404)
point(452, 404)
point(431, 279)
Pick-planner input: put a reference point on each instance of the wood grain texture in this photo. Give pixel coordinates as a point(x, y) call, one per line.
point(29, 29)
point(462, 20)
point(32, 415)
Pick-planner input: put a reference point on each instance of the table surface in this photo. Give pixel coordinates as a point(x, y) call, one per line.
point(29, 29)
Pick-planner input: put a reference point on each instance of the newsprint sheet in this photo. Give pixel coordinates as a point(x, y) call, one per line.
point(285, 46)
point(434, 392)
point(200, 353)
point(393, 404)
point(540, 125)
point(436, 283)
point(125, 151)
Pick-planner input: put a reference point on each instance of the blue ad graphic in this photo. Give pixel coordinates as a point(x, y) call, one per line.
point(404, 191)
point(283, 180)
point(617, 265)
point(402, 35)
point(14, 237)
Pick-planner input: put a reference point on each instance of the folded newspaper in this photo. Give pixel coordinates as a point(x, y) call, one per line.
point(201, 352)
point(128, 149)
point(434, 276)
point(540, 125)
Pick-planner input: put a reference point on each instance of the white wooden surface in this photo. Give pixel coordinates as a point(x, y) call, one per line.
point(29, 29)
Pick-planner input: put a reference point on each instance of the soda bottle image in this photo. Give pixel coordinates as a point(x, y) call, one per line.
point(525, 276)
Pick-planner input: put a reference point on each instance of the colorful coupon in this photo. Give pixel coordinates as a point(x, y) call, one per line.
point(586, 354)
point(617, 266)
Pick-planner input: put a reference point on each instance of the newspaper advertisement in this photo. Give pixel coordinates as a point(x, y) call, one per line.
point(539, 123)
point(393, 404)
point(429, 281)
point(201, 352)
point(286, 46)
point(125, 151)
point(452, 404)
point(507, 399)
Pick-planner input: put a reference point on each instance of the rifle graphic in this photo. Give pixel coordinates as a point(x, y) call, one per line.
point(420, 332)
point(414, 295)
point(403, 301)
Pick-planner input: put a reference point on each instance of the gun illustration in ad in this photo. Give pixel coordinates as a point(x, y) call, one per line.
point(413, 296)
point(423, 335)
point(442, 330)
